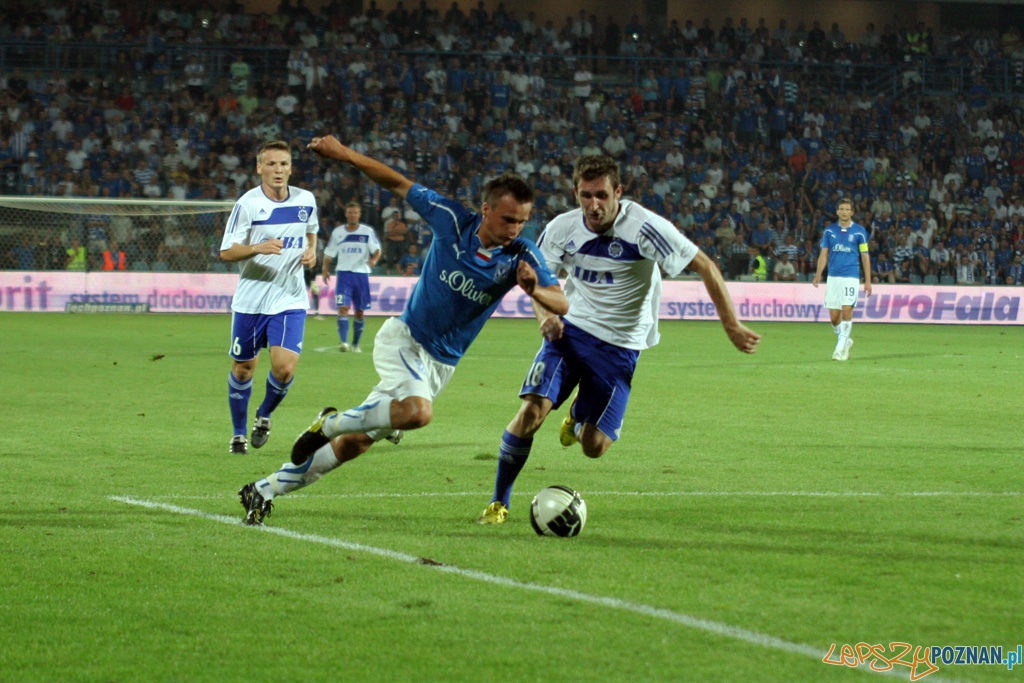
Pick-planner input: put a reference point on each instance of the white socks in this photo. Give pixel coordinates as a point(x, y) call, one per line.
point(359, 420)
point(291, 477)
point(843, 331)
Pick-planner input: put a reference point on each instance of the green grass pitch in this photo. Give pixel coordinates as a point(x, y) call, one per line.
point(756, 511)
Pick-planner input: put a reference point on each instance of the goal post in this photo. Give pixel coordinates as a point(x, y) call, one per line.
point(83, 233)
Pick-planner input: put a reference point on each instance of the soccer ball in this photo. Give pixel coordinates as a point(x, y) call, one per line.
point(558, 511)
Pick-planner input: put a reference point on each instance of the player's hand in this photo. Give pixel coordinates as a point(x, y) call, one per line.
point(743, 338)
point(329, 147)
point(271, 246)
point(867, 288)
point(526, 276)
point(552, 327)
point(327, 279)
point(817, 280)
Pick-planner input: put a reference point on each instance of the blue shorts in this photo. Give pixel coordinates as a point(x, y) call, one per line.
point(603, 371)
point(251, 332)
point(352, 290)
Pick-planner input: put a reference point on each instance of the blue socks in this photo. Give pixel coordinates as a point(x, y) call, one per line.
point(238, 401)
point(512, 456)
point(276, 391)
point(343, 328)
point(357, 331)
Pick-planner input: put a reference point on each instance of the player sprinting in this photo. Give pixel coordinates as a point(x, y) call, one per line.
point(475, 259)
point(357, 250)
point(272, 232)
point(844, 250)
point(611, 250)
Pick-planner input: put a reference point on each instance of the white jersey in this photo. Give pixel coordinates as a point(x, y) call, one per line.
point(352, 250)
point(613, 281)
point(272, 283)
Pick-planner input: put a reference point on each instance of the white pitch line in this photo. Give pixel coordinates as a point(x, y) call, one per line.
point(751, 494)
point(706, 625)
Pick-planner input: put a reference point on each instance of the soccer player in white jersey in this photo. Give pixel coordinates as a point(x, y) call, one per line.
point(474, 260)
point(357, 250)
point(272, 233)
point(844, 249)
point(612, 250)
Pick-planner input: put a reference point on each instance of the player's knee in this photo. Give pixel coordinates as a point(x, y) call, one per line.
point(243, 371)
point(416, 412)
point(595, 450)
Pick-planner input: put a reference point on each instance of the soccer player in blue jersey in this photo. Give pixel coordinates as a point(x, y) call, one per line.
point(613, 251)
point(356, 248)
point(474, 260)
point(272, 233)
point(844, 250)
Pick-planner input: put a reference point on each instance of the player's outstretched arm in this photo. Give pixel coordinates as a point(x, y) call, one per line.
point(330, 147)
point(742, 337)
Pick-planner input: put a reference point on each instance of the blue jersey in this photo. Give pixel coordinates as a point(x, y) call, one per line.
point(844, 247)
point(461, 282)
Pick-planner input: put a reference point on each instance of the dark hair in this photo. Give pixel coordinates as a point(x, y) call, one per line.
point(595, 166)
point(272, 144)
point(508, 183)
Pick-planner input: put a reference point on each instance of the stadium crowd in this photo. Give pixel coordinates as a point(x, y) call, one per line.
point(745, 136)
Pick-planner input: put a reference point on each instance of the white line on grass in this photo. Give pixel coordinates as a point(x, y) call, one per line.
point(714, 627)
point(753, 494)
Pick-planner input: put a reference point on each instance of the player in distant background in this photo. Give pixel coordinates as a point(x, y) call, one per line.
point(272, 232)
point(612, 250)
point(357, 250)
point(844, 249)
point(475, 259)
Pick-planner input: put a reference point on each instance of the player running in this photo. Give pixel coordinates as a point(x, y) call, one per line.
point(475, 259)
point(844, 249)
point(611, 250)
point(272, 231)
point(356, 248)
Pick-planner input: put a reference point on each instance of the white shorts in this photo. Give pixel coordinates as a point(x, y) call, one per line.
point(841, 291)
point(405, 368)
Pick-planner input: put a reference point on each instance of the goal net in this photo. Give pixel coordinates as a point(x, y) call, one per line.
point(81, 233)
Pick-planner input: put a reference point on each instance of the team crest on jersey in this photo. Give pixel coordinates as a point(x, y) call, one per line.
point(501, 270)
point(303, 214)
point(615, 249)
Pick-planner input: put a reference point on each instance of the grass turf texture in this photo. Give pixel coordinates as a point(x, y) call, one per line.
point(703, 509)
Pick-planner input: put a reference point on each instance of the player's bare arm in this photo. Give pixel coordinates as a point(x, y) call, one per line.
point(822, 264)
point(241, 252)
point(552, 298)
point(865, 262)
point(741, 336)
point(309, 255)
point(330, 147)
point(326, 274)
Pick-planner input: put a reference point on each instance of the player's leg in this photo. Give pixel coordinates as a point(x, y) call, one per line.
point(605, 385)
point(256, 497)
point(361, 303)
point(284, 336)
point(248, 336)
point(548, 384)
point(833, 302)
point(343, 299)
point(403, 399)
point(847, 298)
